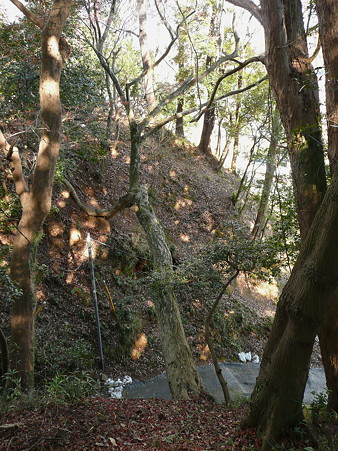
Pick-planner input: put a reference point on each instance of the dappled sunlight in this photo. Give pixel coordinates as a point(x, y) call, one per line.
point(114, 152)
point(260, 290)
point(53, 46)
point(56, 228)
point(70, 278)
point(182, 203)
point(74, 236)
point(204, 352)
point(185, 238)
point(139, 346)
point(126, 160)
point(40, 295)
point(269, 312)
point(172, 173)
point(61, 202)
point(208, 221)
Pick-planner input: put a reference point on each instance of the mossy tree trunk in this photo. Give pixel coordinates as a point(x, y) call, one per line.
point(183, 378)
point(327, 11)
point(276, 402)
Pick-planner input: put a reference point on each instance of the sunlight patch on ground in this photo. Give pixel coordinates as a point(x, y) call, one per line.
point(185, 238)
point(204, 352)
point(182, 203)
point(56, 228)
point(74, 236)
point(114, 153)
point(139, 346)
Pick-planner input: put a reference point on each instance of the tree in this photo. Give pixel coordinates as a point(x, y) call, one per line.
point(259, 224)
point(328, 22)
point(36, 199)
point(295, 89)
point(147, 58)
point(215, 34)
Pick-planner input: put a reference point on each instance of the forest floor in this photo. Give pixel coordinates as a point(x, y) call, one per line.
point(121, 424)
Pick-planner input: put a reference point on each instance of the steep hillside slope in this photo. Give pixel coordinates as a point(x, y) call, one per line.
point(191, 201)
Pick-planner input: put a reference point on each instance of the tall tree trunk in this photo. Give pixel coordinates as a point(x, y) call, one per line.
point(208, 127)
point(36, 201)
point(327, 11)
point(237, 126)
point(296, 91)
point(276, 402)
point(146, 53)
point(282, 377)
point(209, 115)
point(268, 179)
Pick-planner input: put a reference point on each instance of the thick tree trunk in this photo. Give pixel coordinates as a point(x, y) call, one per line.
point(296, 92)
point(303, 306)
point(327, 11)
point(36, 202)
point(278, 395)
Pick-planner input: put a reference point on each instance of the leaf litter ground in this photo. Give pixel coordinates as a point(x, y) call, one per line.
point(97, 423)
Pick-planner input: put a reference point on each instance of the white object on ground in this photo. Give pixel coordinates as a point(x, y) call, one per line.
point(248, 357)
point(255, 359)
point(241, 356)
point(115, 388)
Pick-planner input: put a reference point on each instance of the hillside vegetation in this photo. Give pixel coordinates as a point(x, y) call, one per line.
point(193, 202)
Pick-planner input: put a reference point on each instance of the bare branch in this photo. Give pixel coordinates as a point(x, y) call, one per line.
point(250, 7)
point(175, 116)
point(161, 58)
point(240, 66)
point(123, 202)
point(188, 83)
point(31, 16)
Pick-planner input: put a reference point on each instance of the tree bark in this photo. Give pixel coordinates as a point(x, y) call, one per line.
point(179, 125)
point(303, 305)
point(295, 89)
point(36, 201)
point(148, 80)
point(327, 11)
point(183, 378)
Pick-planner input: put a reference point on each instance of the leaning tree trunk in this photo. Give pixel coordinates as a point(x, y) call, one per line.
point(278, 394)
point(36, 201)
point(184, 380)
point(327, 11)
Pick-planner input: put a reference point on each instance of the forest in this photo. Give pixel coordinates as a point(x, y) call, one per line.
point(168, 201)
